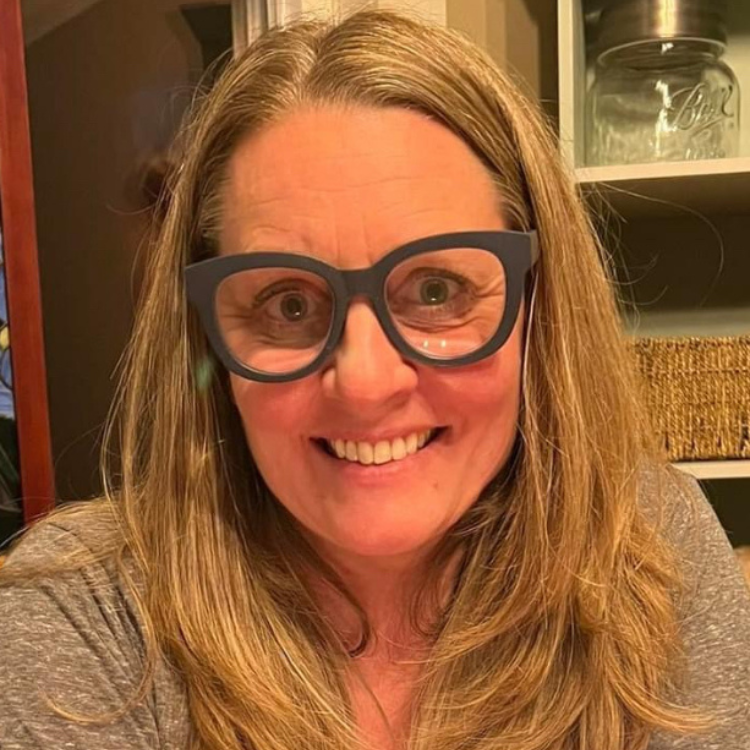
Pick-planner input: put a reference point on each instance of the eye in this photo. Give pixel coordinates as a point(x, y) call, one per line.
point(292, 302)
point(436, 291)
point(292, 306)
point(431, 287)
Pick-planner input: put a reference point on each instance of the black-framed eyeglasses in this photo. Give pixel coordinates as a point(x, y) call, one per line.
point(445, 300)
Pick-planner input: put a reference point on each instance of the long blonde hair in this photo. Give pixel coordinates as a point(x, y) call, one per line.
point(561, 630)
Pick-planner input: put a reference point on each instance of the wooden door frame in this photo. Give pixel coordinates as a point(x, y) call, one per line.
point(22, 271)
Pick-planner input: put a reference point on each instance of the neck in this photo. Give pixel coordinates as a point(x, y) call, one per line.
point(385, 588)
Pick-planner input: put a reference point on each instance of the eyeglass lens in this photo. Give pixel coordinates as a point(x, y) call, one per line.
point(445, 304)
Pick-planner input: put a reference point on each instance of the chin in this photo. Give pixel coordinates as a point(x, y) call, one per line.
point(383, 543)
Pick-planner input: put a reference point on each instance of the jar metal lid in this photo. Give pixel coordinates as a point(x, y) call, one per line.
point(626, 22)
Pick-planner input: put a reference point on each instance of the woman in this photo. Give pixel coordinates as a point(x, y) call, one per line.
point(385, 480)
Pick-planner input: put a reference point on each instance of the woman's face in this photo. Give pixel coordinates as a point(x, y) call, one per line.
point(348, 186)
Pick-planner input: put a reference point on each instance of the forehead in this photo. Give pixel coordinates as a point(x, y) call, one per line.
point(349, 185)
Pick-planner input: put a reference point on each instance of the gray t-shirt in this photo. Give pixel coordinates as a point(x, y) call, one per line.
point(81, 643)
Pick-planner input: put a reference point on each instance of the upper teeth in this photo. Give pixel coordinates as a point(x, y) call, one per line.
point(382, 451)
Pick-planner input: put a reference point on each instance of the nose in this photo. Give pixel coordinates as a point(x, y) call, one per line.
point(365, 370)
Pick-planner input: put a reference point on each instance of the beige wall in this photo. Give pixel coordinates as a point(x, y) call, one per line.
point(521, 36)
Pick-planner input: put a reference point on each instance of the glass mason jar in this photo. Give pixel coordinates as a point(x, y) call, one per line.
point(662, 100)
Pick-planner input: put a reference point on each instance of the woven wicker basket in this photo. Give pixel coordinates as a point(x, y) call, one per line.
point(698, 391)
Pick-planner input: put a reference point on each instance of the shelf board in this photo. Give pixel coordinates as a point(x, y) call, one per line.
point(700, 323)
point(712, 186)
point(726, 469)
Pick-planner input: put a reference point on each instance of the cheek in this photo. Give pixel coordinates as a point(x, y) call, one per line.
point(492, 415)
point(485, 401)
point(490, 390)
point(271, 413)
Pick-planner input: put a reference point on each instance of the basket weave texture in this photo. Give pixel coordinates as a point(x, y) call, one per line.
point(698, 393)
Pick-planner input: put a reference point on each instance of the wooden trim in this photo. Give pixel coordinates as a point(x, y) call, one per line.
point(22, 271)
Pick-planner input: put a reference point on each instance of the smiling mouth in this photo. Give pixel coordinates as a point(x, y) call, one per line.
point(383, 452)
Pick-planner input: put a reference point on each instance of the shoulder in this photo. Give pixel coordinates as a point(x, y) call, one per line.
point(674, 503)
point(61, 579)
point(86, 527)
point(65, 561)
point(71, 633)
point(713, 608)
point(664, 489)
point(677, 507)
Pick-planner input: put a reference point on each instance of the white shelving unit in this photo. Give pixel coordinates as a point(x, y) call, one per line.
point(575, 73)
point(686, 222)
point(700, 323)
point(713, 186)
point(716, 469)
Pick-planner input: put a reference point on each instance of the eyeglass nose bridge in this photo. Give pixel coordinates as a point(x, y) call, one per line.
point(366, 284)
point(362, 282)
